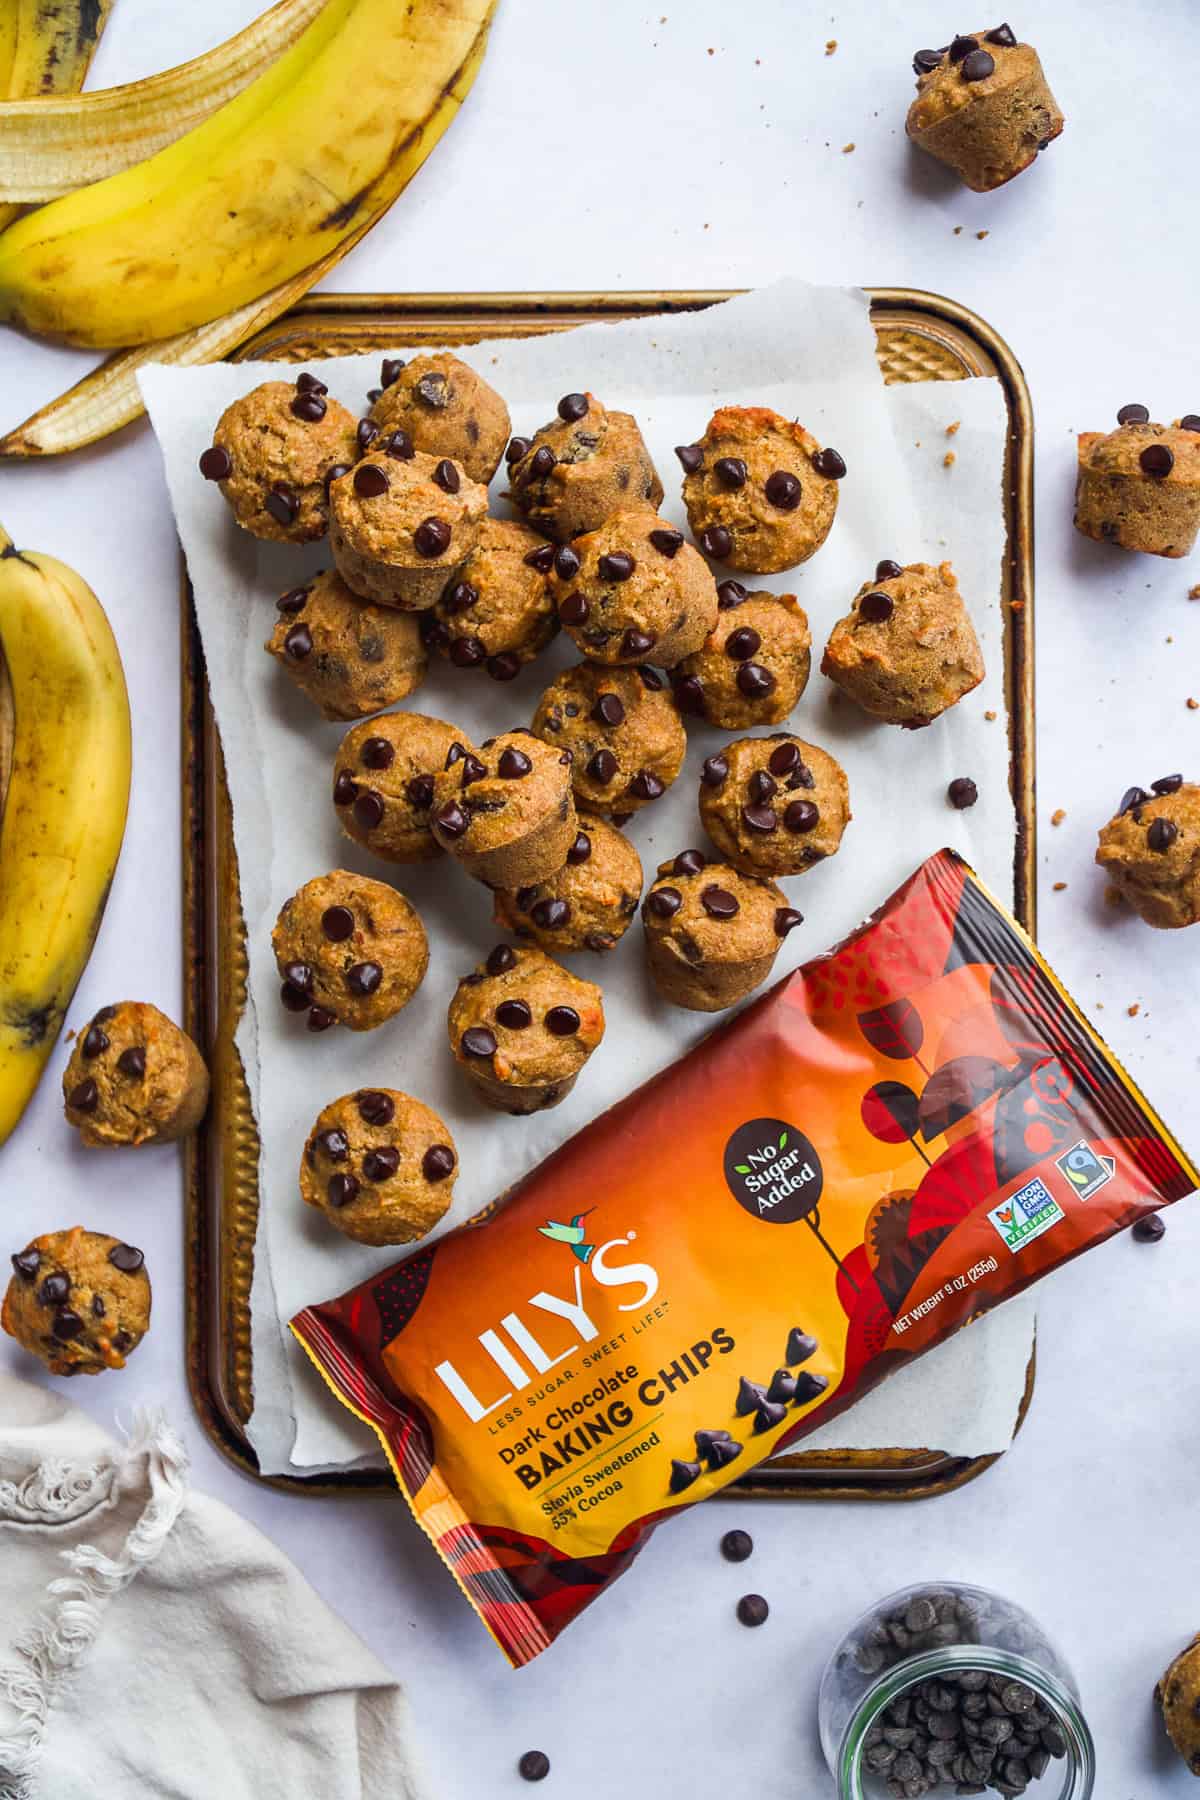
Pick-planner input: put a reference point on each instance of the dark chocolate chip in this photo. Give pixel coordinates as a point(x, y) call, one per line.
point(66, 1324)
point(752, 1609)
point(451, 820)
point(783, 490)
point(618, 565)
point(377, 753)
point(84, 1098)
point(645, 786)
point(514, 1015)
point(783, 759)
point(925, 61)
point(500, 959)
point(1167, 784)
point(535, 1764)
point(432, 537)
point(602, 766)
point(875, 608)
point(1132, 798)
point(123, 1340)
point(370, 481)
point(714, 771)
point(1190, 422)
point(566, 562)
point(446, 476)
point(1134, 414)
point(95, 1042)
point(513, 764)
point(517, 448)
point(1157, 460)
point(126, 1257)
point(342, 1189)
point(801, 816)
point(309, 407)
point(962, 792)
point(750, 1396)
point(787, 919)
point(543, 460)
point(478, 1041)
point(438, 1162)
point(132, 1062)
point(333, 1143)
point(667, 543)
point(1002, 35)
point(298, 642)
point(572, 407)
point(783, 1386)
point(505, 666)
point(742, 643)
point(808, 1387)
point(581, 849)
point(1147, 1231)
point(731, 472)
point(562, 1021)
point(433, 391)
point(294, 998)
point(691, 456)
point(769, 1414)
point(364, 978)
point(722, 1451)
point(716, 541)
point(467, 652)
point(473, 769)
point(754, 681)
point(962, 46)
point(216, 464)
point(762, 819)
point(374, 1107)
point(54, 1289)
point(737, 1546)
point(550, 914)
point(541, 559)
point(601, 941)
point(398, 445)
point(283, 503)
point(309, 384)
point(636, 643)
point(319, 1019)
point(978, 65)
point(664, 902)
point(719, 903)
point(368, 810)
point(608, 710)
point(374, 394)
point(1162, 834)
point(573, 610)
point(337, 922)
point(689, 862)
point(683, 1474)
point(390, 370)
point(887, 570)
point(344, 788)
point(27, 1263)
point(293, 601)
point(800, 1346)
point(381, 1164)
point(761, 786)
point(688, 691)
point(829, 463)
point(419, 792)
point(298, 975)
point(730, 594)
point(98, 1307)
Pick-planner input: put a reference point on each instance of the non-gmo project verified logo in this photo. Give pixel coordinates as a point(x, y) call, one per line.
point(1026, 1214)
point(1085, 1169)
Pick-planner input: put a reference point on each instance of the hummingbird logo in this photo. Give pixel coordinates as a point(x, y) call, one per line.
point(572, 1234)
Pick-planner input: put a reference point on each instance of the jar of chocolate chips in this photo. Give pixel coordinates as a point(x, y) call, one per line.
point(947, 1689)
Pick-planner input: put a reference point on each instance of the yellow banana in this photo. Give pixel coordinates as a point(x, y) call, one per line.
point(52, 146)
point(267, 185)
point(64, 812)
point(46, 47)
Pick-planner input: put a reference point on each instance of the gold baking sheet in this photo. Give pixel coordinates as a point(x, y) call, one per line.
point(920, 337)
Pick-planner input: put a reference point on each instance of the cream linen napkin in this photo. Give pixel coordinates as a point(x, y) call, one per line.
point(152, 1642)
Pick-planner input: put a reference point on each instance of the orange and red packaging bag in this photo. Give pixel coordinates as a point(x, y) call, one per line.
point(893, 1139)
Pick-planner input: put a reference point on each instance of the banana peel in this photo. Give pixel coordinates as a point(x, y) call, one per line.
point(46, 47)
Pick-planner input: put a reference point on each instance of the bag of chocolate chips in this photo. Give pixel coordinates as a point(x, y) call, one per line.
point(896, 1137)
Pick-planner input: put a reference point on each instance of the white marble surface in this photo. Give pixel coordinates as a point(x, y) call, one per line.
point(606, 147)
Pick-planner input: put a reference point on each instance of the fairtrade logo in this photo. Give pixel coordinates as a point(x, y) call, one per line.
point(572, 1235)
point(1025, 1215)
point(1086, 1171)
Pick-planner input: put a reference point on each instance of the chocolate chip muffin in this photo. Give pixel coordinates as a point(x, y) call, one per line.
point(134, 1078)
point(588, 905)
point(401, 523)
point(380, 1165)
point(774, 805)
point(759, 490)
point(496, 613)
point(521, 1028)
point(983, 107)
point(350, 951)
point(582, 466)
point(907, 649)
point(383, 782)
point(1139, 486)
point(505, 812)
point(349, 657)
point(712, 934)
point(754, 664)
point(623, 733)
point(633, 589)
point(78, 1300)
point(1150, 851)
point(1178, 1698)
point(446, 409)
point(274, 452)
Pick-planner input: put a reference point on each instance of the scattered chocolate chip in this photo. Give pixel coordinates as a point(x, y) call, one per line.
point(514, 1015)
point(731, 472)
point(433, 391)
point(562, 1021)
point(66, 1324)
point(381, 1164)
point(27, 1263)
point(573, 610)
point(876, 608)
point(543, 460)
point(374, 1107)
point(446, 476)
point(719, 903)
point(333, 1143)
point(517, 448)
point(925, 61)
point(535, 1764)
point(688, 691)
point(742, 643)
point(126, 1257)
point(737, 1546)
point(962, 792)
point(216, 464)
point(1162, 834)
point(750, 1396)
point(398, 445)
point(760, 818)
point(1002, 35)
point(978, 65)
point(342, 1189)
point(95, 1042)
point(618, 565)
point(309, 384)
point(85, 1097)
point(887, 570)
point(309, 407)
point(344, 788)
point(722, 1450)
point(1132, 798)
point(390, 370)
point(664, 902)
point(787, 919)
point(1147, 1231)
point(319, 1019)
point(691, 456)
point(800, 1346)
point(1134, 414)
point(132, 1062)
point(754, 681)
point(298, 642)
point(467, 652)
point(808, 1387)
point(54, 1289)
point(283, 504)
point(364, 978)
point(432, 537)
point(478, 1041)
point(513, 765)
point(783, 1385)
point(572, 407)
point(689, 862)
point(716, 541)
point(370, 481)
point(770, 1414)
point(608, 710)
point(730, 594)
point(752, 1609)
point(1157, 460)
point(1190, 422)
point(683, 1474)
point(667, 543)
point(714, 770)
point(783, 490)
point(636, 643)
point(962, 46)
point(505, 666)
point(501, 959)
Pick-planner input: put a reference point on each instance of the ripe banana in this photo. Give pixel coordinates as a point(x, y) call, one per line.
point(46, 47)
point(267, 185)
point(64, 813)
point(52, 146)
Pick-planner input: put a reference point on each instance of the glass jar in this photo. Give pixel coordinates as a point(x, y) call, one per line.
point(938, 1632)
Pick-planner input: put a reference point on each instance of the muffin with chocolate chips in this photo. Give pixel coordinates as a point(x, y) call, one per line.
point(906, 650)
point(383, 782)
point(634, 590)
point(402, 523)
point(1150, 851)
point(624, 735)
point(78, 1300)
point(1177, 1696)
point(983, 107)
point(754, 664)
point(496, 614)
point(760, 491)
point(588, 905)
point(446, 409)
point(521, 1028)
point(774, 805)
point(380, 1165)
point(1139, 486)
point(134, 1078)
point(349, 657)
point(273, 453)
point(350, 951)
point(505, 812)
point(582, 466)
point(712, 934)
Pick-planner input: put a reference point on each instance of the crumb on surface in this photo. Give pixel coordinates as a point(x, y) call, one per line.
point(1192, 704)
point(958, 231)
point(1194, 593)
point(953, 427)
point(1058, 815)
point(830, 46)
point(990, 717)
point(981, 235)
point(846, 149)
point(1133, 1010)
point(1060, 887)
point(949, 460)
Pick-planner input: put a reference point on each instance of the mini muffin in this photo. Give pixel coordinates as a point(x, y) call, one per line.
point(134, 1078)
point(623, 733)
point(348, 656)
point(712, 934)
point(1139, 486)
point(1178, 1698)
point(521, 1028)
point(754, 664)
point(774, 805)
point(1151, 852)
point(402, 523)
point(907, 649)
point(383, 782)
point(589, 903)
point(759, 490)
point(505, 812)
point(983, 107)
point(497, 613)
point(633, 589)
point(446, 409)
point(274, 452)
point(350, 951)
point(380, 1165)
point(78, 1300)
point(582, 466)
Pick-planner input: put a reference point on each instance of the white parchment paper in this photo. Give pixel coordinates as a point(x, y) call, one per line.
point(809, 353)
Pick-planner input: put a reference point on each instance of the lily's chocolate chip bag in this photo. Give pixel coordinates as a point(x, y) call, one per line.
point(895, 1138)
